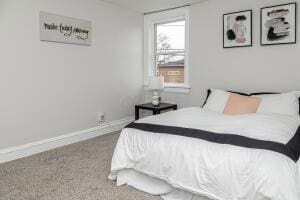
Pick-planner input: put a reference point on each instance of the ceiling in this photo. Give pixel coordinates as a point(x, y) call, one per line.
point(146, 6)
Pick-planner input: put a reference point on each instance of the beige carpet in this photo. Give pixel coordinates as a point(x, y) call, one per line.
point(77, 171)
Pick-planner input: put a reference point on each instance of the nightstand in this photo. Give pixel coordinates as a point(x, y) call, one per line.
point(155, 109)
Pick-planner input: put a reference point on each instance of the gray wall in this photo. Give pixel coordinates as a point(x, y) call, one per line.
point(50, 89)
point(257, 68)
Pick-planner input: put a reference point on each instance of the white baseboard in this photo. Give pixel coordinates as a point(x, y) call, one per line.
point(25, 150)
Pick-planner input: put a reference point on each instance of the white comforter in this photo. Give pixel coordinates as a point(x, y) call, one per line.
point(220, 172)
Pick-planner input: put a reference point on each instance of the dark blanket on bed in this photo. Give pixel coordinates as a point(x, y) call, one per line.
point(291, 149)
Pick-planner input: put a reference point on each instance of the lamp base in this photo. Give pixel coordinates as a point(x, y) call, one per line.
point(155, 101)
point(155, 98)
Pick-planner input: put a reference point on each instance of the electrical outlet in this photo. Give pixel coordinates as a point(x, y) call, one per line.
point(101, 117)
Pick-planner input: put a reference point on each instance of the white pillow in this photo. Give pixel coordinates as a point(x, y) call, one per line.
point(217, 100)
point(284, 103)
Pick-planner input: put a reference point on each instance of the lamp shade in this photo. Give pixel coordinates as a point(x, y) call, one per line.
point(156, 83)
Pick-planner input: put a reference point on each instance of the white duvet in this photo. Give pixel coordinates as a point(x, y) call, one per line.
point(217, 171)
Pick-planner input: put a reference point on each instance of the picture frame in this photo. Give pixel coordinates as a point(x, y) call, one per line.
point(237, 29)
point(278, 24)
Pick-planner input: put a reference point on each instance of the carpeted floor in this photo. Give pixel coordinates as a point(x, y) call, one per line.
point(75, 172)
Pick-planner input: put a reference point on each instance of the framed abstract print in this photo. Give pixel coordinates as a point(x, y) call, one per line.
point(279, 24)
point(237, 29)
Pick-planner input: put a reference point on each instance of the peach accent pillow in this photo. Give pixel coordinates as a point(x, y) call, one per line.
point(239, 104)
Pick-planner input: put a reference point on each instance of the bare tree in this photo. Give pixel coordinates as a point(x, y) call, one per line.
point(163, 44)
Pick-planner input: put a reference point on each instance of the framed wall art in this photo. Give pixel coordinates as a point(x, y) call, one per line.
point(279, 24)
point(237, 29)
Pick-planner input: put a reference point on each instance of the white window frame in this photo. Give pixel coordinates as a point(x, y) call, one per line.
point(149, 46)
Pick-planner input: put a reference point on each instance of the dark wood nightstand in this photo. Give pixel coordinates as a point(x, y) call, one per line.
point(156, 109)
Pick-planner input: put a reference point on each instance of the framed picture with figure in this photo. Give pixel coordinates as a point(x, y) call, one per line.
point(279, 24)
point(237, 29)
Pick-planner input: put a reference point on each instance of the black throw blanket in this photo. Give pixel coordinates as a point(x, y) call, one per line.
point(291, 149)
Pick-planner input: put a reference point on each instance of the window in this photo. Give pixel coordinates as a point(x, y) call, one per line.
point(166, 47)
point(170, 50)
point(173, 73)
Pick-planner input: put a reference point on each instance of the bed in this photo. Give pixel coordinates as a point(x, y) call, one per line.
point(201, 154)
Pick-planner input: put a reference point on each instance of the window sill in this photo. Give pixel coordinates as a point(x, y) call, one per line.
point(184, 89)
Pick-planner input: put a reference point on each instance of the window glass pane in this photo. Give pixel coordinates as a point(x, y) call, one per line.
point(170, 49)
point(171, 36)
point(171, 67)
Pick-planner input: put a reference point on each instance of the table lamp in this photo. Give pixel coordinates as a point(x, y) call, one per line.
point(156, 83)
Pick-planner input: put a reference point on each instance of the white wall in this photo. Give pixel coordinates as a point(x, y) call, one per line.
point(49, 89)
point(257, 68)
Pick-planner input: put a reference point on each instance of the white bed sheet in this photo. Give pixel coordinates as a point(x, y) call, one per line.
point(154, 186)
point(202, 168)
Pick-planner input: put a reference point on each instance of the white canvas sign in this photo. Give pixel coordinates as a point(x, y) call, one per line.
point(57, 28)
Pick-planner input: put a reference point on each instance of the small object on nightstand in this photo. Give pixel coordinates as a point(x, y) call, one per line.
point(155, 109)
point(156, 83)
